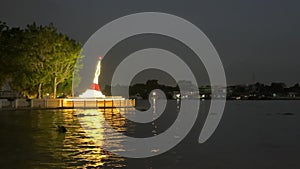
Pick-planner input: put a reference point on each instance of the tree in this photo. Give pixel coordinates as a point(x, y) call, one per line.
point(10, 49)
point(37, 59)
point(63, 59)
point(53, 56)
point(36, 50)
point(3, 28)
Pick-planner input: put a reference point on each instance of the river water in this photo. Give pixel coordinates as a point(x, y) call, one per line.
point(252, 134)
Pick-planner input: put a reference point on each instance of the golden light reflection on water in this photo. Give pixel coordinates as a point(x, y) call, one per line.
point(80, 146)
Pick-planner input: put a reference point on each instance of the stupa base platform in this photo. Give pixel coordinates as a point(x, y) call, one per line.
point(72, 103)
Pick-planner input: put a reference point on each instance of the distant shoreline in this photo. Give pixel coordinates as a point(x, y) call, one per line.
point(279, 98)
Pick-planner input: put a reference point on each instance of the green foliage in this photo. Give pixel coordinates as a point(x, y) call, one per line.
point(3, 77)
point(38, 59)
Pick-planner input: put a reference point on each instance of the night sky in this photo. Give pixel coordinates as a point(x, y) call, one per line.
point(257, 40)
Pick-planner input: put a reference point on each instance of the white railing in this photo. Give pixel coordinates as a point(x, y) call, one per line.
point(67, 103)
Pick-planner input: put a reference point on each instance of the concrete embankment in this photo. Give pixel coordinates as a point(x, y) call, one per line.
point(66, 103)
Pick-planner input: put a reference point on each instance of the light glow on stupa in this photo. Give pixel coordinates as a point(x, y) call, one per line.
point(94, 91)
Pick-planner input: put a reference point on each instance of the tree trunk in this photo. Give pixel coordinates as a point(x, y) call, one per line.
point(54, 88)
point(73, 85)
point(39, 96)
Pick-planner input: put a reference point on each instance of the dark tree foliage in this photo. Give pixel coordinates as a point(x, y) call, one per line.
point(37, 59)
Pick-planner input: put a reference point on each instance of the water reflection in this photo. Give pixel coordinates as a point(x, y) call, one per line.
point(77, 148)
point(32, 140)
point(250, 130)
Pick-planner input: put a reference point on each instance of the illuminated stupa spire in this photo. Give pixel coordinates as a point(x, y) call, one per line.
point(95, 85)
point(94, 91)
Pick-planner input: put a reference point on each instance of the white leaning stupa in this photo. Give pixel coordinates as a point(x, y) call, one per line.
point(94, 91)
point(93, 97)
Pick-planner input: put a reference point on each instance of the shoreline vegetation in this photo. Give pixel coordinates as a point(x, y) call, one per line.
point(256, 91)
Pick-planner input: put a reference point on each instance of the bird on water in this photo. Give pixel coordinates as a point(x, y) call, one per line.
point(61, 129)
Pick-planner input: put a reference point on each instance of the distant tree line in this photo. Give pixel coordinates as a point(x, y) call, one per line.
point(257, 91)
point(276, 90)
point(143, 90)
point(37, 60)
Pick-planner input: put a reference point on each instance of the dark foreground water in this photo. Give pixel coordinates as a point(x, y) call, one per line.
point(252, 134)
